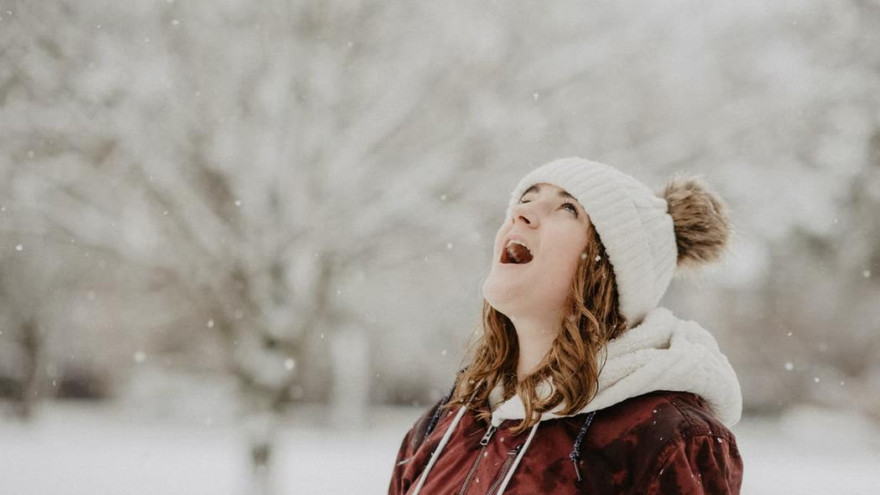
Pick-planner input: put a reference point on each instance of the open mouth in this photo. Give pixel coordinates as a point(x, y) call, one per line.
point(516, 253)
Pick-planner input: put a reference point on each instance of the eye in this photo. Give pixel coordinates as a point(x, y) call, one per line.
point(571, 208)
point(523, 200)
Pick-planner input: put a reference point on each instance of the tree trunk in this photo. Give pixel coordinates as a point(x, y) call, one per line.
point(350, 352)
point(31, 344)
point(260, 426)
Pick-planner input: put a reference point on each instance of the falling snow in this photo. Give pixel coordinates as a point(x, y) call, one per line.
point(199, 243)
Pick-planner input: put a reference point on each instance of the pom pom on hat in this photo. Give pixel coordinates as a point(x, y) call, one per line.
point(702, 228)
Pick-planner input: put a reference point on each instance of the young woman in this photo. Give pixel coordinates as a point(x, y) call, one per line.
point(579, 382)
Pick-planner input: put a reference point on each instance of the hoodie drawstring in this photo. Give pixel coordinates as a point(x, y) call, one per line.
point(574, 455)
point(436, 453)
point(519, 457)
point(575, 451)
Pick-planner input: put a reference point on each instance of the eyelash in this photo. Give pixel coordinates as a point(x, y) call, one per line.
point(572, 207)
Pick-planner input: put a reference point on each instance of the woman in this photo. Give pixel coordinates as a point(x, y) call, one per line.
point(579, 382)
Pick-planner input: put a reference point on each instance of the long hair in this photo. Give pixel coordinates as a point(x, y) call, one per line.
point(591, 318)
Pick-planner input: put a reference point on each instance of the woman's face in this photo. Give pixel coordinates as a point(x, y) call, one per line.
point(553, 227)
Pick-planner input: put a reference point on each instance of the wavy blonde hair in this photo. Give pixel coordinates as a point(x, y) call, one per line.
point(590, 320)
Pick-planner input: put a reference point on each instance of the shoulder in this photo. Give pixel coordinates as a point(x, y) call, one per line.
point(662, 416)
point(409, 446)
point(689, 449)
point(418, 444)
point(667, 435)
point(427, 421)
point(424, 424)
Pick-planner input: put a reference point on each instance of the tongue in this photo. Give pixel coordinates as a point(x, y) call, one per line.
point(519, 254)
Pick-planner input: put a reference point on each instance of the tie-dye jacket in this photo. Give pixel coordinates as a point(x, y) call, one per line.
point(657, 443)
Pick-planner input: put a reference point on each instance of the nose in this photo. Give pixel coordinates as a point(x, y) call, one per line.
point(521, 214)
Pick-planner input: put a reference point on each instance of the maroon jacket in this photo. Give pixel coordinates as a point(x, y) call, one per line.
point(660, 442)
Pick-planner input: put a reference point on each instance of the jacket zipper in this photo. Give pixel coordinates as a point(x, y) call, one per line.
point(511, 456)
point(484, 442)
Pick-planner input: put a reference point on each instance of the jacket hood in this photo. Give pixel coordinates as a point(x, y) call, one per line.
point(663, 352)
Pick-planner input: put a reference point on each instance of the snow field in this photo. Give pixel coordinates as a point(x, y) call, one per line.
point(88, 450)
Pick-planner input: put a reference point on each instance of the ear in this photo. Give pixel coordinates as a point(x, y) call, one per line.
point(702, 227)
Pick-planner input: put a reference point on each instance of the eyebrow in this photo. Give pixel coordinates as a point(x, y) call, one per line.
point(536, 188)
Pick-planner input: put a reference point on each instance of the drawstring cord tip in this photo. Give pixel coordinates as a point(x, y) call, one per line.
point(575, 454)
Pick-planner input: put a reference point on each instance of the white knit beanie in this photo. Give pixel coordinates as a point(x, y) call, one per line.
point(631, 220)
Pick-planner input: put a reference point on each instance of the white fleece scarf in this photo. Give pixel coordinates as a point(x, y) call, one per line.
point(661, 353)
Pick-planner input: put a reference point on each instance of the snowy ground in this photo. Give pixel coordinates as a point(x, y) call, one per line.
point(77, 449)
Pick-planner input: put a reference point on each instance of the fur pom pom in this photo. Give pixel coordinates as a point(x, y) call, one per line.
point(702, 227)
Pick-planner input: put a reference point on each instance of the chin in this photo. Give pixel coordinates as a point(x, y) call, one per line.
point(512, 301)
point(497, 297)
point(506, 300)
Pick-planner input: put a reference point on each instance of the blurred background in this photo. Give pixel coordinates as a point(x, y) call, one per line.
point(242, 244)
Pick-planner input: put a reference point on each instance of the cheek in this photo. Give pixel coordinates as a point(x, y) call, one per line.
point(496, 247)
point(566, 254)
point(564, 264)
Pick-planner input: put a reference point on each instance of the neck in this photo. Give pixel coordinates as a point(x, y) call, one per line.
point(535, 337)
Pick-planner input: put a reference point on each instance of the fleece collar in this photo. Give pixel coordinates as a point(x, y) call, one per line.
point(661, 353)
